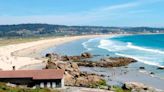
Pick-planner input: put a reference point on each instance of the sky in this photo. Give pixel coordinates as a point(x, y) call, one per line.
point(123, 13)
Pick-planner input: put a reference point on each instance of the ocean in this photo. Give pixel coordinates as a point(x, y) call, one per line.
point(148, 49)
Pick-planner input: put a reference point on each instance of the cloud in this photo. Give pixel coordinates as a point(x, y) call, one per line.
point(80, 18)
point(120, 6)
point(69, 19)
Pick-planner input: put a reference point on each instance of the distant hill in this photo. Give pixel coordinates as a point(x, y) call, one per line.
point(36, 30)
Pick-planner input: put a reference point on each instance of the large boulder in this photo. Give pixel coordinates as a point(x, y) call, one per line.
point(81, 82)
point(73, 76)
point(69, 79)
point(86, 55)
point(51, 65)
point(70, 58)
point(139, 87)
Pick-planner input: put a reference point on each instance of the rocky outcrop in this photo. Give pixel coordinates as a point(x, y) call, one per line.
point(88, 80)
point(108, 62)
point(70, 58)
point(52, 57)
point(139, 87)
point(82, 60)
point(86, 55)
point(73, 76)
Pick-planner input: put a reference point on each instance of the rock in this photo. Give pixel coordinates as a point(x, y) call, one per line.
point(161, 68)
point(108, 62)
point(61, 65)
point(68, 79)
point(76, 58)
point(133, 85)
point(64, 58)
point(73, 76)
point(86, 55)
point(48, 55)
point(75, 66)
point(141, 67)
point(88, 80)
point(70, 58)
point(138, 87)
point(51, 65)
point(81, 82)
point(152, 73)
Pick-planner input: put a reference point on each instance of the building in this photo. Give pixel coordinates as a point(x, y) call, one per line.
point(50, 78)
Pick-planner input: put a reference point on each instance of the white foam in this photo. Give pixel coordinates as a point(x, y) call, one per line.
point(112, 45)
point(86, 46)
point(140, 60)
point(86, 42)
point(130, 45)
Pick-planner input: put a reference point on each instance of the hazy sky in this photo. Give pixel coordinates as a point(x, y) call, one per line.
point(84, 12)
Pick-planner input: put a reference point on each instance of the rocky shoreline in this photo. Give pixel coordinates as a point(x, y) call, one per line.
point(81, 60)
point(73, 76)
point(108, 62)
point(76, 78)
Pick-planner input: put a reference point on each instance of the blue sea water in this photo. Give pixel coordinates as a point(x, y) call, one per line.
point(148, 49)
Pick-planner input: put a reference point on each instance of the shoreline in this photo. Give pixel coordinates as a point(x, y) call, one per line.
point(17, 54)
point(34, 51)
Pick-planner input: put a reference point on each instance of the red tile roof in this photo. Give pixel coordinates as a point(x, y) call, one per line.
point(34, 74)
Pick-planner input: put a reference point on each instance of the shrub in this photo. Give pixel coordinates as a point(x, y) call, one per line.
point(99, 84)
point(119, 89)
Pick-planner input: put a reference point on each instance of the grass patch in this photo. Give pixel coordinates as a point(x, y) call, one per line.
point(119, 89)
point(102, 83)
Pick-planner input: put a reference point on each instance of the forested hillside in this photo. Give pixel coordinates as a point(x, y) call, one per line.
point(36, 30)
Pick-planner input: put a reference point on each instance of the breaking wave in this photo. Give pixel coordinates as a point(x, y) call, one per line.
point(127, 49)
point(141, 59)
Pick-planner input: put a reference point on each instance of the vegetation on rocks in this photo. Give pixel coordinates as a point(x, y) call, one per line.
point(100, 84)
point(119, 89)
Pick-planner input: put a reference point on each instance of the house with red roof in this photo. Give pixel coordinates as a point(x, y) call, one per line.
point(49, 78)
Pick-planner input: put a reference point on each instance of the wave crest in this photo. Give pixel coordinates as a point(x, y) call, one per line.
point(111, 45)
point(140, 60)
point(130, 45)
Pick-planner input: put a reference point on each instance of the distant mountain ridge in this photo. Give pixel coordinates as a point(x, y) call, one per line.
point(36, 30)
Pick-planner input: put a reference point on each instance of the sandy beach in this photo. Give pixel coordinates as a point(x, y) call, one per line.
point(15, 54)
point(18, 55)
